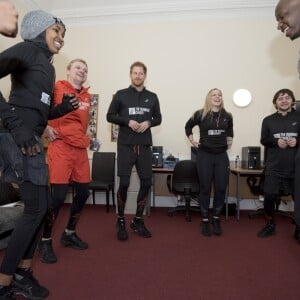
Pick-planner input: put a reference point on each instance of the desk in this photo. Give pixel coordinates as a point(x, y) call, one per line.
point(238, 172)
point(162, 174)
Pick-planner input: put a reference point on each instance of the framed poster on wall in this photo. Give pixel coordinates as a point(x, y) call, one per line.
point(93, 118)
point(114, 132)
point(93, 115)
point(297, 105)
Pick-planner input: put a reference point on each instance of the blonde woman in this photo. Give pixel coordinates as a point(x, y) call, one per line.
point(216, 133)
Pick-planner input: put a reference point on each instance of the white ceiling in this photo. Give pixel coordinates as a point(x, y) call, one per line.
point(81, 12)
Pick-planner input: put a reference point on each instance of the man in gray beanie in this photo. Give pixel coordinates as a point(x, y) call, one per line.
point(24, 117)
point(36, 22)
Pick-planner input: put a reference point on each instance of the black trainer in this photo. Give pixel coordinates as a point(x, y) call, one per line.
point(297, 234)
point(138, 226)
point(25, 284)
point(217, 230)
point(6, 293)
point(205, 228)
point(122, 233)
point(47, 254)
point(73, 240)
point(268, 230)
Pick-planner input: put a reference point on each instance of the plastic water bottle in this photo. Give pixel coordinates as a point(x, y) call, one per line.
point(237, 161)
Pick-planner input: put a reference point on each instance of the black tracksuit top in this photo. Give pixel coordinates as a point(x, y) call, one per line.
point(32, 79)
point(214, 130)
point(130, 104)
point(280, 162)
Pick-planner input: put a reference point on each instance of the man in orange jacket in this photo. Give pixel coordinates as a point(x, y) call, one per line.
point(68, 160)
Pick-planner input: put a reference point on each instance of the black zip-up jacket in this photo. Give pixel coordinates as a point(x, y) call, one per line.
point(32, 79)
point(130, 104)
point(214, 130)
point(280, 162)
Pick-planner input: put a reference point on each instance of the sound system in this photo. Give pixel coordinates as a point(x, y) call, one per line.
point(251, 157)
point(157, 157)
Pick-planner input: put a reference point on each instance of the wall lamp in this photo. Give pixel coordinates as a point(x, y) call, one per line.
point(242, 98)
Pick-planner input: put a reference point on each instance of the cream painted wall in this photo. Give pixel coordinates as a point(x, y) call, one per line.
point(185, 60)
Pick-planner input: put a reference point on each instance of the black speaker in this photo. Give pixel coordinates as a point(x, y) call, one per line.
point(157, 157)
point(251, 158)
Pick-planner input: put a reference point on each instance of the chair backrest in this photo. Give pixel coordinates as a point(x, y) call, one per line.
point(194, 152)
point(103, 166)
point(185, 177)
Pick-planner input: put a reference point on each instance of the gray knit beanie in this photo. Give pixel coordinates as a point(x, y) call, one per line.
point(35, 22)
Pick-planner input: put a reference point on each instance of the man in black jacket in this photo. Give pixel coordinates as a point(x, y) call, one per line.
point(135, 110)
point(287, 14)
point(22, 160)
point(280, 135)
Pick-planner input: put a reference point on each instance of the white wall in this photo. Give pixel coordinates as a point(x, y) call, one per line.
point(186, 59)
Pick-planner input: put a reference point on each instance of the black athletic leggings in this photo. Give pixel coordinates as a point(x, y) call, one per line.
point(142, 196)
point(59, 194)
point(26, 234)
point(212, 169)
point(274, 188)
point(141, 157)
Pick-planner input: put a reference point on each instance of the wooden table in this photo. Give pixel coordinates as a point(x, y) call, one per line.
point(161, 174)
point(239, 172)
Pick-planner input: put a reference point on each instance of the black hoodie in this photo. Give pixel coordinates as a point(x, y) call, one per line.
point(130, 104)
point(32, 85)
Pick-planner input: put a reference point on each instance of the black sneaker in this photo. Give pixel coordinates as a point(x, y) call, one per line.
point(73, 240)
point(6, 293)
point(138, 226)
point(205, 228)
point(122, 232)
point(297, 234)
point(47, 254)
point(26, 285)
point(216, 226)
point(268, 230)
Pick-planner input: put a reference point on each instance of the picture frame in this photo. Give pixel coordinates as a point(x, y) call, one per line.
point(93, 116)
point(297, 105)
point(93, 123)
point(114, 132)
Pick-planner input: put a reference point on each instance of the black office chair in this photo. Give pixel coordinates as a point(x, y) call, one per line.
point(184, 182)
point(103, 175)
point(256, 187)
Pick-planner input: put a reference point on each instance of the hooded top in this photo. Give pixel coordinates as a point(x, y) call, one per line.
point(214, 129)
point(72, 127)
point(32, 78)
point(280, 161)
point(131, 104)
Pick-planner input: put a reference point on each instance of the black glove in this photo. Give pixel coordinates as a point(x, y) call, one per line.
point(65, 107)
point(24, 138)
